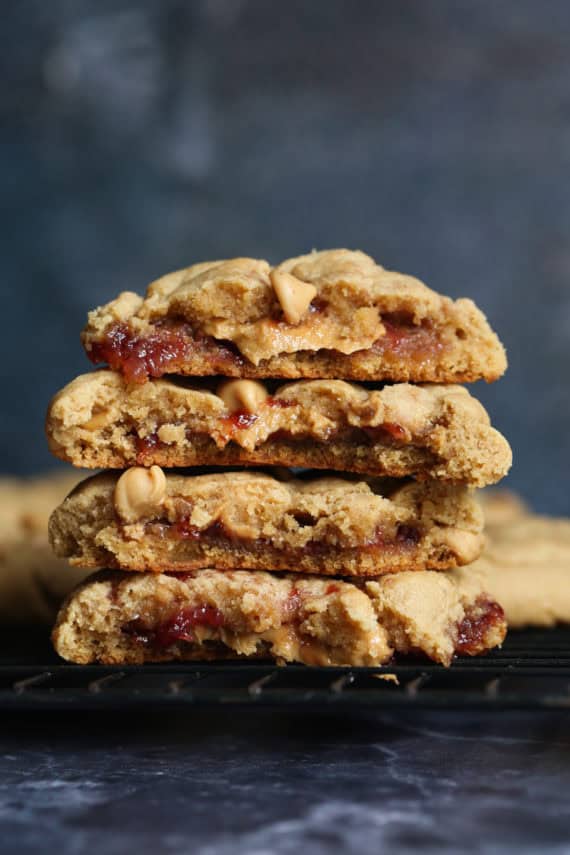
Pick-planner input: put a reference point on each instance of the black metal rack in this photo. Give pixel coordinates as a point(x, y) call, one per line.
point(532, 670)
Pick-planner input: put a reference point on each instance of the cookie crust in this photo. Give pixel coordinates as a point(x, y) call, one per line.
point(229, 318)
point(100, 421)
point(117, 618)
point(236, 520)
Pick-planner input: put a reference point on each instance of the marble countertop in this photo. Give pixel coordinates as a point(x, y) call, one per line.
point(261, 781)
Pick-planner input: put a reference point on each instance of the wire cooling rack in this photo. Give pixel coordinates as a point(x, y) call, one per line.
point(532, 670)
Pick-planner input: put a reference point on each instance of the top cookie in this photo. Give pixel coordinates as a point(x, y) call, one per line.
point(331, 314)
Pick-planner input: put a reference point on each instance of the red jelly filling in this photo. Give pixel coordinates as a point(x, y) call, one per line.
point(293, 603)
point(177, 627)
point(386, 431)
point(139, 357)
point(183, 577)
point(407, 536)
point(279, 402)
point(240, 420)
point(184, 530)
point(165, 349)
point(171, 343)
point(473, 629)
point(146, 445)
point(405, 340)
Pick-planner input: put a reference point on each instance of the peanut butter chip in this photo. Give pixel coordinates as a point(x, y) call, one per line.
point(294, 295)
point(242, 395)
point(97, 421)
point(139, 492)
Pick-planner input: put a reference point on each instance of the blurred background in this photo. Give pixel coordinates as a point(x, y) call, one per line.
point(139, 137)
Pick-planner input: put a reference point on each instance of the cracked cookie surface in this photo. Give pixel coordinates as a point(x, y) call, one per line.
point(330, 314)
point(117, 618)
point(100, 421)
point(148, 520)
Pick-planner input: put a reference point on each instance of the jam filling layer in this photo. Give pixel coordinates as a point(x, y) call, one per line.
point(178, 626)
point(472, 632)
point(230, 428)
point(172, 343)
point(405, 538)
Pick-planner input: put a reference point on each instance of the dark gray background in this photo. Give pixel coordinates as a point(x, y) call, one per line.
point(138, 137)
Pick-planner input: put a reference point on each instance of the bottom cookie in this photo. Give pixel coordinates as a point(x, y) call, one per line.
point(131, 618)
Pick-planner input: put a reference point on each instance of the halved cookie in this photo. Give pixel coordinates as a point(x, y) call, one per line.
point(146, 520)
point(118, 618)
point(100, 421)
point(332, 314)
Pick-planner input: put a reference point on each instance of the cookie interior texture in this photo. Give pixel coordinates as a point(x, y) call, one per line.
point(432, 431)
point(236, 520)
point(118, 618)
point(230, 318)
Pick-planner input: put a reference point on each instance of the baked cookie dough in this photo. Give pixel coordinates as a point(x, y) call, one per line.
point(145, 519)
point(333, 314)
point(441, 432)
point(117, 618)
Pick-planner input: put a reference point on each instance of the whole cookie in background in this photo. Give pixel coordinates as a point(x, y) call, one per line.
point(526, 563)
point(502, 506)
point(33, 582)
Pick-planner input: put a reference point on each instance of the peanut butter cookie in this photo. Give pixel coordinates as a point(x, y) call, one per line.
point(117, 618)
point(100, 421)
point(33, 582)
point(333, 314)
point(526, 564)
point(146, 520)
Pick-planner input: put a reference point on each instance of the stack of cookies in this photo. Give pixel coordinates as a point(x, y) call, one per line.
point(350, 560)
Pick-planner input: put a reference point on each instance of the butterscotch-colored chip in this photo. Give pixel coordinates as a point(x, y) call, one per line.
point(139, 492)
point(294, 295)
point(242, 395)
point(97, 421)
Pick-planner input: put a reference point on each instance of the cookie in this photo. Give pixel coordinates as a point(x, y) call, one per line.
point(333, 314)
point(501, 506)
point(146, 520)
point(526, 567)
point(33, 582)
point(99, 421)
point(118, 618)
point(26, 503)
